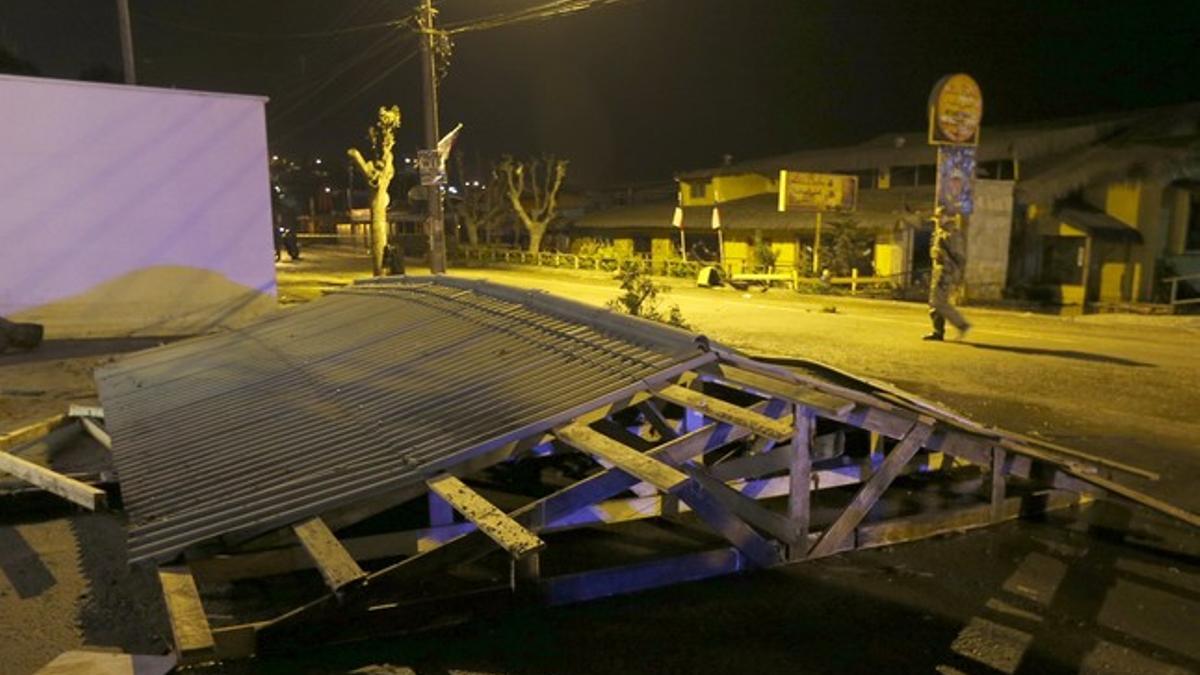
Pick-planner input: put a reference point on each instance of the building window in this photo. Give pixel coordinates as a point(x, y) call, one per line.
point(1191, 242)
point(698, 190)
point(927, 174)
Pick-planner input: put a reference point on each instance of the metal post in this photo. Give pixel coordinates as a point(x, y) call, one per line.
point(817, 247)
point(437, 232)
point(127, 65)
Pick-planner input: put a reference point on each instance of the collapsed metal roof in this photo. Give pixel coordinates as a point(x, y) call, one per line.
point(354, 396)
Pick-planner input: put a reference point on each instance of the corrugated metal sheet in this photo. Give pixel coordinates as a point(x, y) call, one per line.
point(354, 396)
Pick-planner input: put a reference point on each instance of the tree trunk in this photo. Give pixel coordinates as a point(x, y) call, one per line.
point(536, 232)
point(379, 230)
point(473, 232)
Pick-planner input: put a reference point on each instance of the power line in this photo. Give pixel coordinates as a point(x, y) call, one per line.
point(540, 12)
point(342, 101)
point(244, 35)
point(312, 89)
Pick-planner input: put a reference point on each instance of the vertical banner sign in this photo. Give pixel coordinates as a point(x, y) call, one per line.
point(956, 171)
point(955, 113)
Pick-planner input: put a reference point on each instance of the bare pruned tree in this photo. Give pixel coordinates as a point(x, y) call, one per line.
point(545, 179)
point(480, 205)
point(379, 173)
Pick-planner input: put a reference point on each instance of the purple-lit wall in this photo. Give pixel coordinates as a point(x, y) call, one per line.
point(148, 209)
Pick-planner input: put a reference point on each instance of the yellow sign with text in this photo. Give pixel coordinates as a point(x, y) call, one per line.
point(803, 191)
point(955, 111)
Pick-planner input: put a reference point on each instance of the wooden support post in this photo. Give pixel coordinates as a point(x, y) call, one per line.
point(97, 432)
point(727, 412)
point(835, 537)
point(998, 486)
point(193, 638)
point(800, 480)
point(335, 563)
point(508, 533)
point(53, 482)
point(625, 458)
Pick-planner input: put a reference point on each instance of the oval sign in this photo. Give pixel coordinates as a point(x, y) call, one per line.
point(955, 111)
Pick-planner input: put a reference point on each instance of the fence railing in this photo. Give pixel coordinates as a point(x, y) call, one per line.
point(1175, 300)
point(581, 261)
point(672, 268)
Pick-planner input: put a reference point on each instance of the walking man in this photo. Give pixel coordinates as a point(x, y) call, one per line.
point(948, 252)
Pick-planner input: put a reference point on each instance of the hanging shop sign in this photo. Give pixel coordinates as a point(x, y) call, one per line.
point(955, 111)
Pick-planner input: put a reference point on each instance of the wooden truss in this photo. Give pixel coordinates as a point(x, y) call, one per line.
point(733, 445)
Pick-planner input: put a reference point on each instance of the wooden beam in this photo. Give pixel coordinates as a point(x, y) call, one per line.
point(335, 563)
point(825, 405)
point(508, 533)
point(31, 432)
point(77, 410)
point(655, 419)
point(998, 483)
point(744, 507)
point(193, 638)
point(51, 481)
point(726, 412)
point(924, 525)
point(97, 432)
point(1116, 489)
point(606, 582)
point(872, 490)
point(800, 480)
point(625, 458)
point(758, 550)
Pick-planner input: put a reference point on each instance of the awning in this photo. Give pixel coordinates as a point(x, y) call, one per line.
point(1099, 224)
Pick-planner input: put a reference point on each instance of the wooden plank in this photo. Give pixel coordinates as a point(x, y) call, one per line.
point(1030, 441)
point(872, 490)
point(51, 481)
point(726, 412)
point(77, 410)
point(193, 638)
point(1153, 503)
point(826, 405)
point(31, 432)
point(508, 533)
point(97, 432)
point(239, 641)
point(637, 464)
point(800, 480)
point(924, 525)
point(601, 583)
point(335, 563)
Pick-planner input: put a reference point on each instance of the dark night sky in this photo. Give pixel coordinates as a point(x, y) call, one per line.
point(638, 90)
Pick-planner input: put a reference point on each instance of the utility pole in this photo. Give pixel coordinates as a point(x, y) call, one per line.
point(429, 69)
point(126, 42)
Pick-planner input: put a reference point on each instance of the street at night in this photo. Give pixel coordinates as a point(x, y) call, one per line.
point(599, 336)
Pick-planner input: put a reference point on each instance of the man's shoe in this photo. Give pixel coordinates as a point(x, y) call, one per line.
point(934, 337)
point(962, 332)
